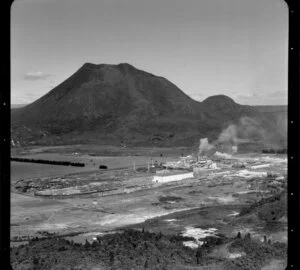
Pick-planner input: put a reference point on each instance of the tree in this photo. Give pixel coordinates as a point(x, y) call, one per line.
point(111, 257)
point(198, 255)
point(146, 265)
point(35, 260)
point(265, 239)
point(87, 244)
point(269, 241)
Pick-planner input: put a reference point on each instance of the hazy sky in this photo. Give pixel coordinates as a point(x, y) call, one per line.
point(205, 47)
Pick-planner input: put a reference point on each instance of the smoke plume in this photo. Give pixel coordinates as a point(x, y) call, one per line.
point(234, 149)
point(222, 155)
point(228, 135)
point(247, 130)
point(204, 146)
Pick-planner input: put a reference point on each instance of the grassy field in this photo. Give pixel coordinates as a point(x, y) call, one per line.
point(22, 170)
point(105, 150)
point(92, 155)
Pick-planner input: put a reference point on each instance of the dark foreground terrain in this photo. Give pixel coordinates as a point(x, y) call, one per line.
point(134, 249)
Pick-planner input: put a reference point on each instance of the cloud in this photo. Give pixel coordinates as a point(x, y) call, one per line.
point(196, 96)
point(36, 76)
point(31, 95)
point(279, 94)
point(23, 97)
point(273, 98)
point(53, 83)
point(17, 99)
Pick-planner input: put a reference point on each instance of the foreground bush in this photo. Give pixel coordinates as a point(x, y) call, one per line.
point(134, 249)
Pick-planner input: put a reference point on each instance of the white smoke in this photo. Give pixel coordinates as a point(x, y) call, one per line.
point(228, 135)
point(251, 129)
point(234, 149)
point(222, 155)
point(204, 146)
point(218, 154)
point(245, 131)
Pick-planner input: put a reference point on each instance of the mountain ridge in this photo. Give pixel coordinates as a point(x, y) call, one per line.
point(123, 102)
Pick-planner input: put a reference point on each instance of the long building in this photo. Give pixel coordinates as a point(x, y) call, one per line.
point(170, 178)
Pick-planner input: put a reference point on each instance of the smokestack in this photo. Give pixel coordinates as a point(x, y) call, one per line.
point(204, 146)
point(234, 149)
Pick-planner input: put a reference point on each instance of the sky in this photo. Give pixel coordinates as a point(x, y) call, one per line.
point(238, 48)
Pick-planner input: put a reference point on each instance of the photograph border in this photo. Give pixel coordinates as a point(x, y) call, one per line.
point(293, 135)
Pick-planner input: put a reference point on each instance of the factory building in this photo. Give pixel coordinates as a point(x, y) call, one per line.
point(171, 178)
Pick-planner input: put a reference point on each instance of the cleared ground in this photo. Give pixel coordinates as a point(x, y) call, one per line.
point(23, 170)
point(124, 197)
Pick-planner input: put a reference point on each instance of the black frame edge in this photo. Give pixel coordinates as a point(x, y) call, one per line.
point(293, 135)
point(5, 137)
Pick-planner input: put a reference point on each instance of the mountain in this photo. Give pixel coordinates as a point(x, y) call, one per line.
point(120, 102)
point(15, 106)
point(272, 108)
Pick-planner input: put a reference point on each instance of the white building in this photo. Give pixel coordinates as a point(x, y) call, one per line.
point(170, 178)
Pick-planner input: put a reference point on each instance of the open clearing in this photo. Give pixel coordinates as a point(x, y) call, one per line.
point(23, 170)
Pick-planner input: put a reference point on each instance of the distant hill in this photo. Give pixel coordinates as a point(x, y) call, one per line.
point(15, 106)
point(272, 108)
point(109, 103)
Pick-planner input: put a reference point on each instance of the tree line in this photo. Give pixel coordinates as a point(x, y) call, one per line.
point(52, 162)
point(274, 151)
